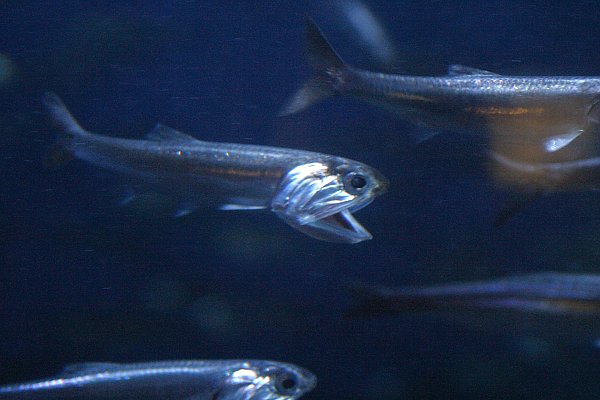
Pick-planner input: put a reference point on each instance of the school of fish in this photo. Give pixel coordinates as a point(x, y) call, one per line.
point(542, 134)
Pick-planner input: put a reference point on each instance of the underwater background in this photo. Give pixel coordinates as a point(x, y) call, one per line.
point(84, 279)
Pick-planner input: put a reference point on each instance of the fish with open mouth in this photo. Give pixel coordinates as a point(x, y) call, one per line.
point(548, 112)
point(313, 192)
point(170, 380)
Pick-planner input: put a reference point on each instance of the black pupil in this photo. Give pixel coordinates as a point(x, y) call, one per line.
point(358, 182)
point(288, 383)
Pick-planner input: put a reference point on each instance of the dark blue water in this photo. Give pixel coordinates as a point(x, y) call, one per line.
point(82, 279)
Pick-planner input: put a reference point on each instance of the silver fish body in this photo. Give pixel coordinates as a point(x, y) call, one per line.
point(313, 192)
point(545, 293)
point(170, 380)
point(549, 111)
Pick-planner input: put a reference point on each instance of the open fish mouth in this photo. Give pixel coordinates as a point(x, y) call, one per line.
point(315, 203)
point(340, 227)
point(334, 224)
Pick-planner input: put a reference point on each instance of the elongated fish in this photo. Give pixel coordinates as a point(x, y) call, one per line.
point(542, 293)
point(170, 380)
point(548, 111)
point(313, 192)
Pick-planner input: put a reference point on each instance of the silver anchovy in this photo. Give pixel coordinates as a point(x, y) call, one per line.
point(313, 192)
point(170, 380)
point(551, 111)
point(546, 293)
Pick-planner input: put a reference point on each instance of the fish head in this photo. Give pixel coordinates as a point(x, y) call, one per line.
point(286, 381)
point(268, 380)
point(319, 198)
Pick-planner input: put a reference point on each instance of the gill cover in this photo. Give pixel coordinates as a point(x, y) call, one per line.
point(266, 384)
point(314, 200)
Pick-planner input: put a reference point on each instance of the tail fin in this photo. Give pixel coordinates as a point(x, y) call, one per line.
point(327, 67)
point(60, 153)
point(377, 301)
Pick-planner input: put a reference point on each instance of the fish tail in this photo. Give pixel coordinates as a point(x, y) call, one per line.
point(328, 70)
point(375, 301)
point(60, 153)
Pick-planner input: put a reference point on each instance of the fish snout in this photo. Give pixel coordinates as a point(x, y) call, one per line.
point(383, 186)
point(309, 381)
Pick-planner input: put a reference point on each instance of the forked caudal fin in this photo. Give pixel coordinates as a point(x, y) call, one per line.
point(60, 115)
point(59, 154)
point(376, 301)
point(327, 66)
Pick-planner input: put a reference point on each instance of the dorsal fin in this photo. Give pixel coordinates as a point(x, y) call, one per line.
point(162, 133)
point(78, 369)
point(457, 70)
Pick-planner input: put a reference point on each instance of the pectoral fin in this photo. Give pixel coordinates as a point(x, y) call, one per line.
point(557, 142)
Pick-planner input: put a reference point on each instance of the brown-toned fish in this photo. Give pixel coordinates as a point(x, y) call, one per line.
point(545, 112)
point(313, 192)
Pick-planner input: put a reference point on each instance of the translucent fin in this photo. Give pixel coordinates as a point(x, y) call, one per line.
point(162, 133)
point(60, 115)
point(421, 134)
point(458, 70)
point(326, 64)
point(378, 301)
point(86, 368)
point(319, 52)
point(185, 209)
point(59, 154)
point(555, 143)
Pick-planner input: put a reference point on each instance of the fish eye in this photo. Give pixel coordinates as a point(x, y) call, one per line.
point(358, 182)
point(286, 383)
point(354, 183)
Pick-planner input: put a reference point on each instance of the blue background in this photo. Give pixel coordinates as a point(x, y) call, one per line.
point(82, 279)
